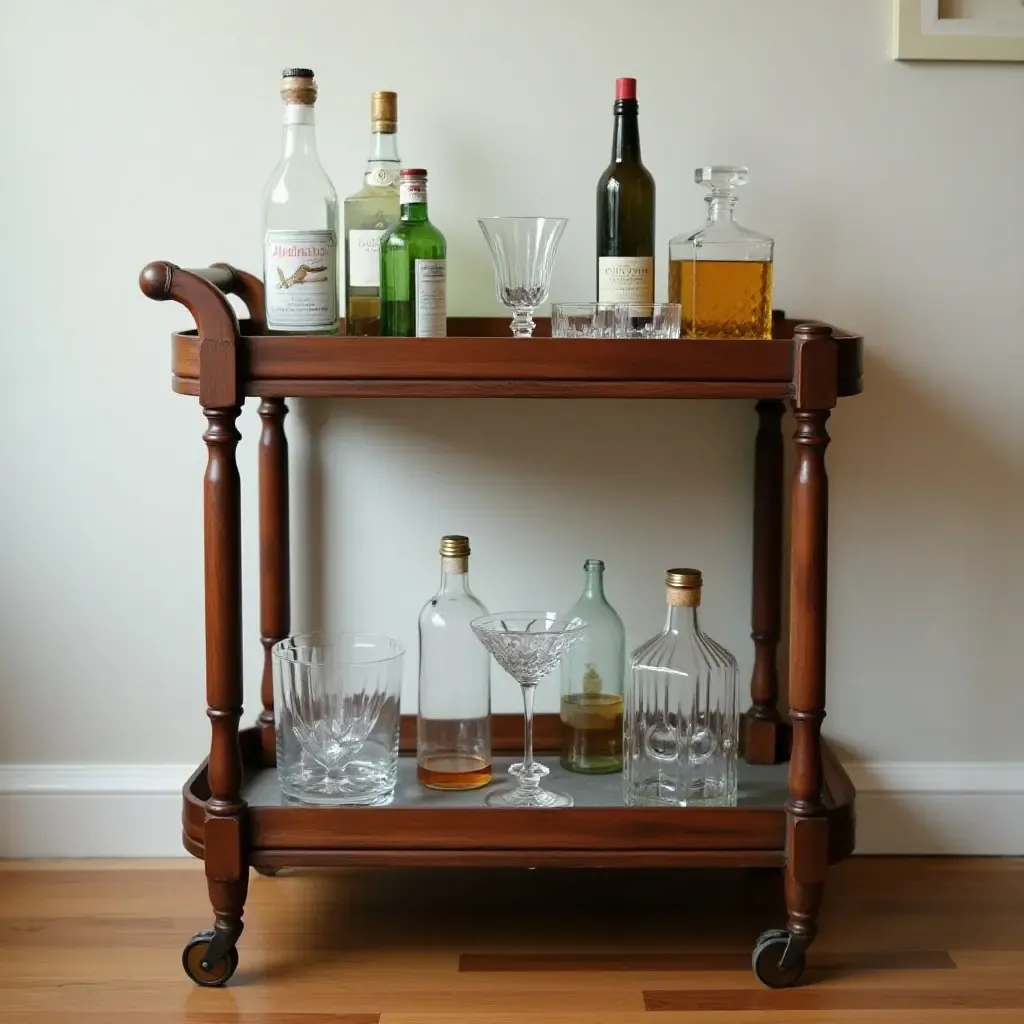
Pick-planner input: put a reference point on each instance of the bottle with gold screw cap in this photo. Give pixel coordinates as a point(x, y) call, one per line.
point(453, 727)
point(681, 733)
point(368, 213)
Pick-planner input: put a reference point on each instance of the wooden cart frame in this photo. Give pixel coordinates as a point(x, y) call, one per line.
point(225, 360)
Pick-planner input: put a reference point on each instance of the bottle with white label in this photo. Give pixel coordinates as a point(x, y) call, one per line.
point(413, 267)
point(300, 223)
point(368, 214)
point(625, 210)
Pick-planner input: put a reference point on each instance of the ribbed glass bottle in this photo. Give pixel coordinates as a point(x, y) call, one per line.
point(681, 732)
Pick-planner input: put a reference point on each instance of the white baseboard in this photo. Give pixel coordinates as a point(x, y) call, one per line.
point(920, 808)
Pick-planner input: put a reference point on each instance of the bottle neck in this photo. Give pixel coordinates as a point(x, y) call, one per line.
point(681, 619)
point(412, 197)
point(593, 587)
point(383, 158)
point(454, 576)
point(721, 207)
point(299, 131)
point(626, 133)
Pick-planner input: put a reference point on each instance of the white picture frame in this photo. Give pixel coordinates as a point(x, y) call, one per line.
point(968, 30)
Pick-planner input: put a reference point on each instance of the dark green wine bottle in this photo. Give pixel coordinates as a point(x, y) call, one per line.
point(625, 210)
point(413, 270)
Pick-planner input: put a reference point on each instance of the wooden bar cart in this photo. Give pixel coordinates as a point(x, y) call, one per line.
point(796, 804)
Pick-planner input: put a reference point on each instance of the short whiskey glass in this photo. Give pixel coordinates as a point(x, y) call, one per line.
point(528, 646)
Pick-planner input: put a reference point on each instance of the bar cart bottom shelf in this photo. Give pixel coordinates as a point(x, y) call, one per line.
point(424, 828)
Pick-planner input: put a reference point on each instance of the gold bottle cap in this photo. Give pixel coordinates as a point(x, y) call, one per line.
point(683, 579)
point(298, 86)
point(384, 112)
point(455, 546)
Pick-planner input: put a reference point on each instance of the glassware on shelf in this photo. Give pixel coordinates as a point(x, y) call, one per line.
point(583, 319)
point(337, 716)
point(300, 223)
point(722, 274)
point(413, 267)
point(681, 734)
point(368, 213)
point(528, 645)
point(453, 725)
point(523, 251)
point(591, 673)
point(648, 320)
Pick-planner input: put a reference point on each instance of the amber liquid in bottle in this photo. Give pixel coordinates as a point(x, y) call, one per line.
point(592, 731)
point(453, 771)
point(722, 298)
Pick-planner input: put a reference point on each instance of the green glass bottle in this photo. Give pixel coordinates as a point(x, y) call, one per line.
point(413, 267)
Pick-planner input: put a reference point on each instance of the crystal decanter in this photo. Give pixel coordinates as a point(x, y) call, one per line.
point(681, 732)
point(722, 274)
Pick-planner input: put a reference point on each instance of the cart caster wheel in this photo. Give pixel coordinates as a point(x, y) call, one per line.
point(208, 975)
point(778, 960)
point(267, 872)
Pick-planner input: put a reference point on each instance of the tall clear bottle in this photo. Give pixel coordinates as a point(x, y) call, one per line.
point(681, 737)
point(592, 673)
point(453, 727)
point(300, 223)
point(368, 214)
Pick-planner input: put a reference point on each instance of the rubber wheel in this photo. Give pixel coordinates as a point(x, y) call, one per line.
point(216, 974)
point(266, 872)
point(767, 957)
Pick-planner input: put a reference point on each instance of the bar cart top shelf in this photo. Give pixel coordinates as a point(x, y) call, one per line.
point(479, 358)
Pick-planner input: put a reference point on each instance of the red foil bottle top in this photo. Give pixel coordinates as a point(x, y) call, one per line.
point(412, 172)
point(625, 88)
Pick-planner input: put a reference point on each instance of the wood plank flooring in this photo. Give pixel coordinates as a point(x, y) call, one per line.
point(902, 940)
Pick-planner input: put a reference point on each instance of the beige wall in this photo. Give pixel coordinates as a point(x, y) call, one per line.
point(136, 131)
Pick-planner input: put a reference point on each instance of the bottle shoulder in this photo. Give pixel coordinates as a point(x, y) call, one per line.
point(619, 174)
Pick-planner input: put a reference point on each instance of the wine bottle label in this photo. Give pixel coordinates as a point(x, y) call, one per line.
point(431, 298)
point(625, 279)
point(412, 191)
point(364, 257)
point(300, 274)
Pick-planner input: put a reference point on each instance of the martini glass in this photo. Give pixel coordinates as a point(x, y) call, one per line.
point(523, 250)
point(527, 645)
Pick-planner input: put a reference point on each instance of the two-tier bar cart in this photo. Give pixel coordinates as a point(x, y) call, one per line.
point(796, 806)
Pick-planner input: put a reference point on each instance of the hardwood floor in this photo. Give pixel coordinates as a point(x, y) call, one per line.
point(937, 941)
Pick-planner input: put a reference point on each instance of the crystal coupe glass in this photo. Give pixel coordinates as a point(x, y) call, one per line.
point(528, 645)
point(523, 250)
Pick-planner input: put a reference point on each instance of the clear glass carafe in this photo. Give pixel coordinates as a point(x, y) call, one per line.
point(681, 736)
point(592, 671)
point(722, 274)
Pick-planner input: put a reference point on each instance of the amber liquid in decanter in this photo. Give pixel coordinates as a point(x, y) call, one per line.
point(453, 771)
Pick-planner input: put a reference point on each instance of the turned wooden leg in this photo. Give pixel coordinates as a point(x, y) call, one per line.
point(763, 730)
point(275, 572)
point(807, 827)
point(209, 957)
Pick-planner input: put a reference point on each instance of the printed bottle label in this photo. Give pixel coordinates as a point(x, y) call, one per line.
point(382, 177)
point(625, 279)
point(364, 257)
point(431, 286)
point(300, 274)
point(412, 192)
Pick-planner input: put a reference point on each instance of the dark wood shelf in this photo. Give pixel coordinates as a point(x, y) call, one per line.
point(797, 815)
point(480, 359)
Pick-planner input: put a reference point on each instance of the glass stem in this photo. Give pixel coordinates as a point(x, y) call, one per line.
point(528, 692)
point(523, 323)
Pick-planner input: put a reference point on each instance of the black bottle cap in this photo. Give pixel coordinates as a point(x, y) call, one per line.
point(296, 73)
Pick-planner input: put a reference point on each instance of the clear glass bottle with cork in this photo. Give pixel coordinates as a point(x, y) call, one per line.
point(453, 726)
point(300, 223)
point(681, 738)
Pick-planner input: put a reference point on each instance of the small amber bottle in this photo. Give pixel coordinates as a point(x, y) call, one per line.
point(721, 275)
